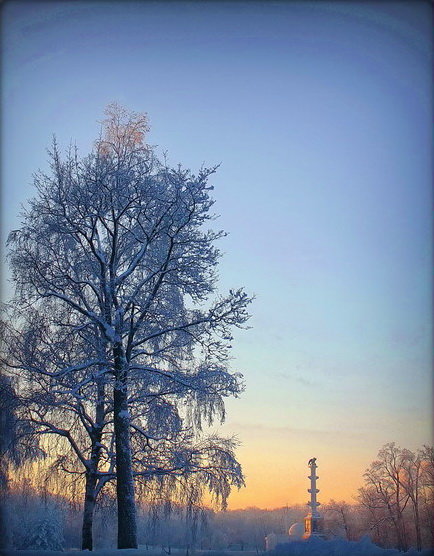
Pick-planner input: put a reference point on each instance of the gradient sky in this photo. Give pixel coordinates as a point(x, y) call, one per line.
point(321, 116)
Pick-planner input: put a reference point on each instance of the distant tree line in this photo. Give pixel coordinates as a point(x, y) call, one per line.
point(45, 516)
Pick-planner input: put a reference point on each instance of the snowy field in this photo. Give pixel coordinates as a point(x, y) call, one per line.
point(312, 547)
point(340, 547)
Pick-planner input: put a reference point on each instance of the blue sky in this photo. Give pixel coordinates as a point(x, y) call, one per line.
point(320, 115)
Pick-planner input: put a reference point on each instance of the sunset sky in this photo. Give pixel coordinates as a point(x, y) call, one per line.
point(320, 115)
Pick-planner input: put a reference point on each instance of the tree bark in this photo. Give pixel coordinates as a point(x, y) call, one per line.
point(402, 534)
point(127, 526)
point(417, 526)
point(92, 471)
point(88, 512)
point(4, 536)
point(344, 519)
point(414, 495)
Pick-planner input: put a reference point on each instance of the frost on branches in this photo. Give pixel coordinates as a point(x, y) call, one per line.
point(120, 337)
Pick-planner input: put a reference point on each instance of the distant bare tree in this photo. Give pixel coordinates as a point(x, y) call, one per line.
point(398, 486)
point(384, 489)
point(342, 516)
point(410, 480)
point(426, 483)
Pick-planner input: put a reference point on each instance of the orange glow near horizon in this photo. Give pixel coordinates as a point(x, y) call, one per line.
point(286, 483)
point(276, 491)
point(274, 459)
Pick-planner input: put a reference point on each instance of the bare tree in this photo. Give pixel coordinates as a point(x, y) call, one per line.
point(384, 489)
point(398, 486)
point(426, 483)
point(341, 512)
point(410, 480)
point(118, 239)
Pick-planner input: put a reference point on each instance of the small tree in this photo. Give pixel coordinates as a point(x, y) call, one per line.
point(18, 442)
point(340, 518)
point(118, 240)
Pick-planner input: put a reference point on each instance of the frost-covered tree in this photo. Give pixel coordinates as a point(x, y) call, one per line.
point(62, 400)
point(36, 519)
point(426, 495)
point(397, 493)
point(72, 408)
point(410, 481)
point(383, 491)
point(118, 239)
point(18, 442)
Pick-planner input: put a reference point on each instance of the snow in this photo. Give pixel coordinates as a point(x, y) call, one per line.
point(311, 547)
point(339, 547)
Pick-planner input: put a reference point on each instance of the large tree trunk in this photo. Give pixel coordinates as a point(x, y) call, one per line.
point(402, 534)
point(92, 471)
point(127, 527)
point(4, 533)
point(88, 512)
point(417, 526)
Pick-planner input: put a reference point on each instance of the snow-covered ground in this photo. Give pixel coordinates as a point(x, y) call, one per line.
point(312, 547)
point(340, 547)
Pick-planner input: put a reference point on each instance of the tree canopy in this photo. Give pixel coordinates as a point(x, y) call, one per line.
point(119, 324)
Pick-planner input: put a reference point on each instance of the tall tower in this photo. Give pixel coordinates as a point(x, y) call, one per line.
point(313, 522)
